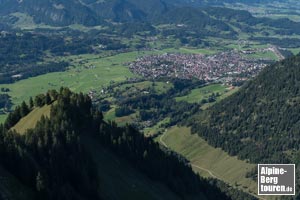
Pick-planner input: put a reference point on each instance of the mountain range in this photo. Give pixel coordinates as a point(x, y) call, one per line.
point(95, 12)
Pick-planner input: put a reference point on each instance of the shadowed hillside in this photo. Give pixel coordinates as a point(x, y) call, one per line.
point(72, 153)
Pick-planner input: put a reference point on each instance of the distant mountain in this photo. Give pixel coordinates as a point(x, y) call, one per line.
point(219, 2)
point(52, 12)
point(86, 12)
point(95, 12)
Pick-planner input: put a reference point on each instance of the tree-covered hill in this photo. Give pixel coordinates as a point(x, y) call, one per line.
point(261, 121)
point(67, 156)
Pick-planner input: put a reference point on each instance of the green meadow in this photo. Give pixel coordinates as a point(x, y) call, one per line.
point(93, 72)
point(207, 160)
point(88, 72)
point(198, 94)
point(30, 120)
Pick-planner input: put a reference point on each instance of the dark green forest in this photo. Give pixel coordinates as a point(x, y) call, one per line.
point(53, 161)
point(261, 121)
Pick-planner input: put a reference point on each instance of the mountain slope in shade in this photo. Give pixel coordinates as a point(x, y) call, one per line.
point(71, 153)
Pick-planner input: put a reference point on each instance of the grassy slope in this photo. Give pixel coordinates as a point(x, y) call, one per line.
point(228, 168)
point(31, 119)
point(196, 95)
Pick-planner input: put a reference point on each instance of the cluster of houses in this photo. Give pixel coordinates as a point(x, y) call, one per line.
point(205, 67)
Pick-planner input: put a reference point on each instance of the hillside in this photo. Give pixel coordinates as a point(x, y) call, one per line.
point(12, 188)
point(111, 169)
point(74, 154)
point(261, 121)
point(91, 13)
point(209, 161)
point(30, 120)
point(88, 13)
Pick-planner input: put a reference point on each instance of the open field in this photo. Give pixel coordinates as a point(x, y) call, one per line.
point(144, 86)
point(89, 72)
point(211, 162)
point(198, 94)
point(264, 55)
point(94, 72)
point(223, 96)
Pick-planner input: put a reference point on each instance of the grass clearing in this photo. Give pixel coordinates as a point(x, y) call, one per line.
point(30, 120)
point(145, 86)
point(198, 94)
point(228, 168)
point(223, 96)
point(149, 131)
point(264, 55)
point(121, 121)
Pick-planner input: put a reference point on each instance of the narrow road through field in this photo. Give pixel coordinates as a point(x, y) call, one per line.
point(161, 139)
point(208, 171)
point(196, 166)
point(204, 169)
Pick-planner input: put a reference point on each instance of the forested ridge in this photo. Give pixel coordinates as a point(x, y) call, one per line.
point(52, 160)
point(261, 121)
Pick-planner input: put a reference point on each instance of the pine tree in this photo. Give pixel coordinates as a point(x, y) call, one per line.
point(31, 104)
point(40, 184)
point(47, 99)
point(24, 109)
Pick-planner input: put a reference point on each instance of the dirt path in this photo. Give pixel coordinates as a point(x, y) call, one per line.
point(204, 169)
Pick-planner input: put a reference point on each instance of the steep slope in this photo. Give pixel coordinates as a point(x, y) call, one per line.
point(115, 172)
point(30, 120)
point(74, 154)
point(261, 121)
point(209, 161)
point(11, 188)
